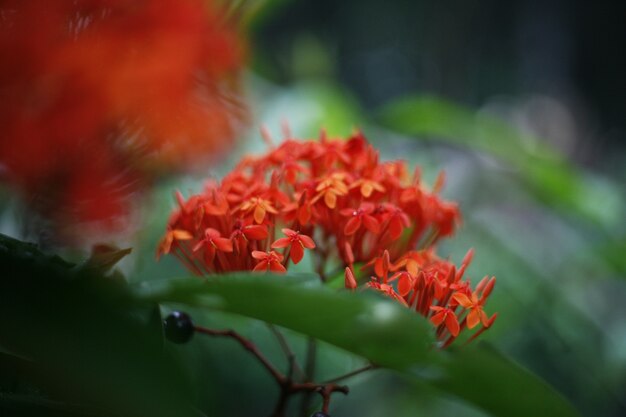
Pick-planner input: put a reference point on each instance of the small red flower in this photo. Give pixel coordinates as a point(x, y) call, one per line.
point(296, 242)
point(476, 314)
point(259, 207)
point(268, 261)
point(212, 242)
point(241, 235)
point(387, 290)
point(171, 236)
point(330, 188)
point(446, 316)
point(361, 216)
point(367, 187)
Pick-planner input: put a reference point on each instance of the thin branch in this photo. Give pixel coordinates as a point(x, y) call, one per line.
point(309, 373)
point(287, 386)
point(249, 346)
point(294, 366)
point(351, 374)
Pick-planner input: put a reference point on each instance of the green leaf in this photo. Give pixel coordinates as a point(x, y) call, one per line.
point(27, 406)
point(252, 13)
point(483, 376)
point(86, 337)
point(339, 318)
point(373, 327)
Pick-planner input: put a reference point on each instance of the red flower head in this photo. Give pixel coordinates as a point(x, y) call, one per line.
point(359, 210)
point(97, 97)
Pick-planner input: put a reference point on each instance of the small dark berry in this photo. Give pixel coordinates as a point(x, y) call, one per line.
point(178, 327)
point(320, 414)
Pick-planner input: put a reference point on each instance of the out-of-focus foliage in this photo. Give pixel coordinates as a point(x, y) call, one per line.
point(547, 173)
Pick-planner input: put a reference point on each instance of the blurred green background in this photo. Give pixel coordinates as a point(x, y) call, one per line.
point(522, 104)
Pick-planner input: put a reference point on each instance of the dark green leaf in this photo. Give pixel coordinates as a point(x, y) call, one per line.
point(375, 328)
point(86, 339)
point(339, 318)
point(484, 377)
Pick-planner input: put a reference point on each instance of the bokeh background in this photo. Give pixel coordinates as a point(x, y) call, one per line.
point(522, 104)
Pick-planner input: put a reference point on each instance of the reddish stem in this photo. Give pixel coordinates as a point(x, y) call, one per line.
point(287, 386)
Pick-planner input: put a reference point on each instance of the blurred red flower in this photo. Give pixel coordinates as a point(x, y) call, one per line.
point(98, 96)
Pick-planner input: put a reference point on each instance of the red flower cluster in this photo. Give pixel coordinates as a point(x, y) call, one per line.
point(97, 96)
point(361, 212)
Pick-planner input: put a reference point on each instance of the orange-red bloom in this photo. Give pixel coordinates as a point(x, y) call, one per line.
point(447, 316)
point(268, 261)
point(476, 314)
point(361, 216)
point(212, 243)
point(98, 97)
point(296, 243)
point(359, 210)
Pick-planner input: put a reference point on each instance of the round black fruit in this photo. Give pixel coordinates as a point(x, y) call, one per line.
point(178, 327)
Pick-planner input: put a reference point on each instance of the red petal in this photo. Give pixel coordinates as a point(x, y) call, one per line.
point(366, 189)
point(304, 214)
point(395, 228)
point(348, 212)
point(463, 300)
point(404, 285)
point(290, 175)
point(330, 199)
point(277, 267)
point(276, 255)
point(452, 324)
point(437, 319)
point(181, 235)
point(289, 232)
point(386, 261)
point(281, 243)
point(255, 232)
point(223, 244)
point(371, 224)
point(257, 254)
point(378, 267)
point(212, 233)
point(483, 318)
point(307, 242)
point(473, 318)
point(165, 245)
point(259, 214)
point(261, 266)
point(352, 226)
point(296, 252)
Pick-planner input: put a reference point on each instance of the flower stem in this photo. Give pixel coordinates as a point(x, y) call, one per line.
point(351, 373)
point(286, 384)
